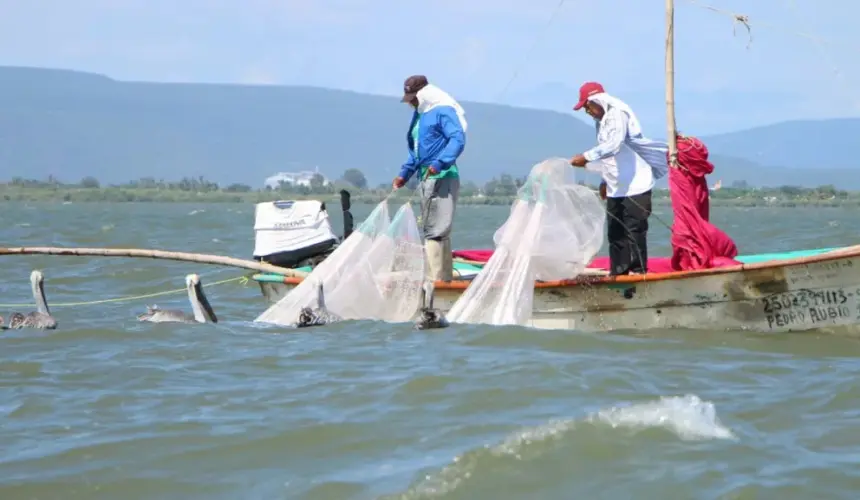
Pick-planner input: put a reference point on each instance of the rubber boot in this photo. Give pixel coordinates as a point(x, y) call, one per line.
point(447, 261)
point(433, 251)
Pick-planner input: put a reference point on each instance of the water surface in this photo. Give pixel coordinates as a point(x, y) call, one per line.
point(106, 407)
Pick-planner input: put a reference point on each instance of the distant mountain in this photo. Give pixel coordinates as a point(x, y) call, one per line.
point(72, 124)
point(808, 144)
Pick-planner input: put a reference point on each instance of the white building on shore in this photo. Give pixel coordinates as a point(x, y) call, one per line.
point(302, 178)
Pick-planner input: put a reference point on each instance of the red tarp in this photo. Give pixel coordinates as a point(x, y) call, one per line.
point(655, 264)
point(696, 243)
point(476, 255)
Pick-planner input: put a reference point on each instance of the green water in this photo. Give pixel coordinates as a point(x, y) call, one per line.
point(109, 408)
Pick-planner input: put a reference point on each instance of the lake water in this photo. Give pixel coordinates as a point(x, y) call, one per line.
point(108, 408)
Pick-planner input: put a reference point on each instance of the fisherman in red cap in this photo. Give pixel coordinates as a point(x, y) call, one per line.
point(629, 163)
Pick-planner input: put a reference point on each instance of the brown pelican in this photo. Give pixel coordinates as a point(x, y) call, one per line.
point(428, 317)
point(203, 312)
point(15, 319)
point(41, 318)
point(318, 316)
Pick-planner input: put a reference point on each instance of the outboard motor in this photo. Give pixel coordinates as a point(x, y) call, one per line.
point(345, 206)
point(297, 233)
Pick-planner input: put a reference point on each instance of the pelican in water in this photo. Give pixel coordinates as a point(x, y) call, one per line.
point(429, 318)
point(16, 319)
point(41, 318)
point(202, 311)
point(318, 316)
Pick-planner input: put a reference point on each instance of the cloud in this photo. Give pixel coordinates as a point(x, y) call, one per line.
point(372, 46)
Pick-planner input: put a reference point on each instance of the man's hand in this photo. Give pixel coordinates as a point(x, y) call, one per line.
point(578, 161)
point(432, 170)
point(602, 190)
point(398, 182)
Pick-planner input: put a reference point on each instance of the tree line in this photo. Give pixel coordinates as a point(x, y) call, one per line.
point(504, 186)
point(351, 179)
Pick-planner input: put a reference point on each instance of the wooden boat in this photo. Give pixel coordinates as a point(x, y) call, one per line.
point(784, 292)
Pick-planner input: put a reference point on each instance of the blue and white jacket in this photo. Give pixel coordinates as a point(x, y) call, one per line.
point(441, 132)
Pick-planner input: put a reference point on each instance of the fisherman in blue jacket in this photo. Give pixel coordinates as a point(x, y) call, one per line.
point(436, 139)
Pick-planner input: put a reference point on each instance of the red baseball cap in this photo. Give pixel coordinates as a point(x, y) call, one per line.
point(587, 90)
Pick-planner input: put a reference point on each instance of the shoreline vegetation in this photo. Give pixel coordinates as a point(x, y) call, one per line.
point(499, 191)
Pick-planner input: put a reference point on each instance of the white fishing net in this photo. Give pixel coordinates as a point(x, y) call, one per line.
point(376, 273)
point(554, 230)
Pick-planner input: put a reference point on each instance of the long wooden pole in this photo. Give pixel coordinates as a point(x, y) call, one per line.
point(671, 130)
point(218, 260)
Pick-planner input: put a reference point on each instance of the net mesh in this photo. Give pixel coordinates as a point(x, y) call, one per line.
point(376, 273)
point(554, 230)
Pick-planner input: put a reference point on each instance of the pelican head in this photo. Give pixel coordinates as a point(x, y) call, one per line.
point(307, 317)
point(203, 312)
point(316, 316)
point(429, 318)
point(17, 321)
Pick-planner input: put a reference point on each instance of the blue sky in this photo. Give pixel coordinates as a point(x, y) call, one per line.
point(472, 48)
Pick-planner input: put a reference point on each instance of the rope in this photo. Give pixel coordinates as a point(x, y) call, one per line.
point(817, 41)
point(241, 279)
point(741, 19)
point(820, 46)
point(744, 19)
point(534, 45)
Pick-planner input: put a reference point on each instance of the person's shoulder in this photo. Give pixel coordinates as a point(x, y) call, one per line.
point(614, 119)
point(443, 109)
point(614, 113)
point(445, 112)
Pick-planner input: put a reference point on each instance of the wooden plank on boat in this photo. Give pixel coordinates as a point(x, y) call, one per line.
point(811, 292)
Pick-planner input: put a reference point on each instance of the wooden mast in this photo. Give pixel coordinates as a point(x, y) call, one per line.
point(670, 83)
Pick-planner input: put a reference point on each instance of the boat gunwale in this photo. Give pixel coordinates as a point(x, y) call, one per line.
point(592, 280)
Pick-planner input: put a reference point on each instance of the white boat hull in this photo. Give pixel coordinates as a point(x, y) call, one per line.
point(804, 294)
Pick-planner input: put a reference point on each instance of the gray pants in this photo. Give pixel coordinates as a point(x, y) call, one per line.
point(438, 205)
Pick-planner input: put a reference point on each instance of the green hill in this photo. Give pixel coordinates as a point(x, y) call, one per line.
point(803, 144)
point(72, 124)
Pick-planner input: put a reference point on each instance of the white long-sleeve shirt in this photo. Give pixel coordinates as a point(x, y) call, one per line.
point(624, 160)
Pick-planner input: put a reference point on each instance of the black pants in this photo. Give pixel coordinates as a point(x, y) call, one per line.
point(627, 221)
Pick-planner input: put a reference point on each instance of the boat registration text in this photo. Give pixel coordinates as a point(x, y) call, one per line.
point(811, 308)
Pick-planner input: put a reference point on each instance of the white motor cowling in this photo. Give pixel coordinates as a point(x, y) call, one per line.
point(287, 232)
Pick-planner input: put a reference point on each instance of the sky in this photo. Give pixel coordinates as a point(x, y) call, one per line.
point(798, 65)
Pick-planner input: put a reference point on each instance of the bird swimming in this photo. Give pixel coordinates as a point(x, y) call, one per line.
point(317, 316)
point(429, 318)
point(200, 307)
point(41, 318)
point(15, 319)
